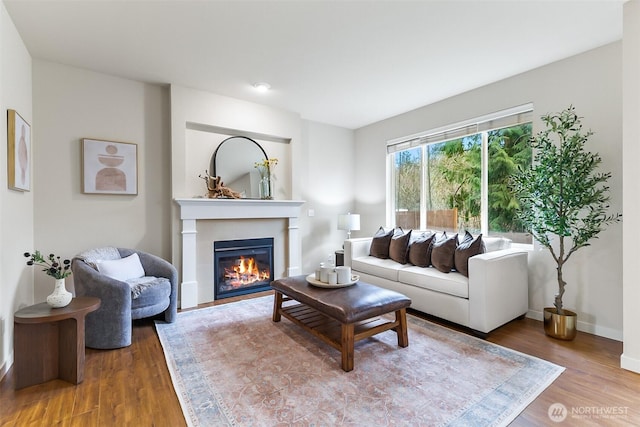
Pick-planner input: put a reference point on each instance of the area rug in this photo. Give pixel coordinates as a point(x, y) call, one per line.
point(232, 366)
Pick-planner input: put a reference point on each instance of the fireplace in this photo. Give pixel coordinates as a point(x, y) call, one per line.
point(242, 266)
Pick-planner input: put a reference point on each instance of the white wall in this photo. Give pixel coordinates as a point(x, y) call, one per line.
point(329, 156)
point(631, 101)
point(16, 207)
point(71, 104)
point(592, 82)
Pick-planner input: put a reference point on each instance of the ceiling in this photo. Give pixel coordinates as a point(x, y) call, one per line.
point(346, 63)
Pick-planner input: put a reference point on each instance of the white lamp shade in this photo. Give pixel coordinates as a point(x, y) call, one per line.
point(349, 222)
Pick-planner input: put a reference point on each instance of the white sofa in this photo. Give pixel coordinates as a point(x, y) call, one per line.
point(495, 292)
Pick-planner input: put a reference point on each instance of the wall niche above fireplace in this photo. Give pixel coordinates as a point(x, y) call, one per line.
point(232, 154)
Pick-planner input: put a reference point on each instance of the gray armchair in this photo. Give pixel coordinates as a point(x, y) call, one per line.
point(123, 300)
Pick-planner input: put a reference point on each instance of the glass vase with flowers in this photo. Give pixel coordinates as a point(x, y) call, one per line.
point(265, 169)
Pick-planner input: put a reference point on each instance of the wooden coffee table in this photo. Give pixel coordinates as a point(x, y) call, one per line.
point(341, 316)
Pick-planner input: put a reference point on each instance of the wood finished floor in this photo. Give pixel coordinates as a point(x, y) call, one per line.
point(132, 386)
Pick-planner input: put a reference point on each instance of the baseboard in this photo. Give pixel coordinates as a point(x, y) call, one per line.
point(629, 363)
point(589, 328)
point(6, 366)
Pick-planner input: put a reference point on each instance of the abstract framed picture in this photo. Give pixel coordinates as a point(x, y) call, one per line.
point(18, 152)
point(109, 167)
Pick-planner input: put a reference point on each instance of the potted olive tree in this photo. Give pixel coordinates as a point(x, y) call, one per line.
point(563, 202)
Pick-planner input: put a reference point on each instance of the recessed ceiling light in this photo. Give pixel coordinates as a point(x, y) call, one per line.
point(262, 86)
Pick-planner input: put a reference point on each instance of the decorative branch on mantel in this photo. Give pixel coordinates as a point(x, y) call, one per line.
point(216, 188)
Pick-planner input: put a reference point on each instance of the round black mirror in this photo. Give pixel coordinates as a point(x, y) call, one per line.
point(234, 162)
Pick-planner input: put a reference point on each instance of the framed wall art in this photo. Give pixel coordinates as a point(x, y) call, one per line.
point(109, 167)
point(18, 152)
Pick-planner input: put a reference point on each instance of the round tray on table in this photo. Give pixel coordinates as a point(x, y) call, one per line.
point(311, 279)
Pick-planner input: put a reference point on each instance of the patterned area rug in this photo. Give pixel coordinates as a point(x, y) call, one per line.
point(232, 366)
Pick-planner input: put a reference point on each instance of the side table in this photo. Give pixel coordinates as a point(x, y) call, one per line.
point(339, 257)
point(49, 342)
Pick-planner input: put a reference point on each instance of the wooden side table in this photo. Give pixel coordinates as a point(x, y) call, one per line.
point(49, 342)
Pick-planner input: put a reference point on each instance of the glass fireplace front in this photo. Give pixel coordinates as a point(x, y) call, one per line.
point(242, 266)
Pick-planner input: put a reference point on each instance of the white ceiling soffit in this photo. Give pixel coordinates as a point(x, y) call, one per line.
point(347, 63)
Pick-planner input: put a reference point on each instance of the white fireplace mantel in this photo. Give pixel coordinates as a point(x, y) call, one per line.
point(193, 210)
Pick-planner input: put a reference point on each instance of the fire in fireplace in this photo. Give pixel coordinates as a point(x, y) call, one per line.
point(242, 266)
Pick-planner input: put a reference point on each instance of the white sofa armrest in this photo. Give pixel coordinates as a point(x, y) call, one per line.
point(356, 248)
point(498, 288)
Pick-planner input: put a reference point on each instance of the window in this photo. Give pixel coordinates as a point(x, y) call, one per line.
point(457, 178)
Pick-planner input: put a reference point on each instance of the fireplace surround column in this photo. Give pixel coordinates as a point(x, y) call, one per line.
point(194, 210)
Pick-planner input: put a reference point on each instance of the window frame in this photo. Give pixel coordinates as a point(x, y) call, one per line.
point(481, 125)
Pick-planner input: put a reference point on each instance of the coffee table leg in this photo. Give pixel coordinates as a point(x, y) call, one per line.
point(347, 346)
point(401, 330)
point(277, 305)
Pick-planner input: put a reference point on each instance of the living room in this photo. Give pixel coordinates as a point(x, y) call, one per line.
point(65, 103)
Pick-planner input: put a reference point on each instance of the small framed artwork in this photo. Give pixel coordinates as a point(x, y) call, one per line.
point(109, 167)
point(18, 152)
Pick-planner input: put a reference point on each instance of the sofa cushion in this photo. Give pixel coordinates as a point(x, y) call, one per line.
point(429, 278)
point(466, 249)
point(380, 243)
point(385, 268)
point(420, 250)
point(443, 251)
point(399, 246)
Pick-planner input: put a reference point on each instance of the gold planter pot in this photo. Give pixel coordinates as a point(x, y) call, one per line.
point(560, 326)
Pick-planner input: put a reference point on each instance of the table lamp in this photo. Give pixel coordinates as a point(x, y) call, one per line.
point(349, 222)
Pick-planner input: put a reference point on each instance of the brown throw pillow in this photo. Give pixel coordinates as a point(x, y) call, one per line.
point(468, 237)
point(380, 243)
point(420, 250)
point(465, 250)
point(442, 253)
point(399, 246)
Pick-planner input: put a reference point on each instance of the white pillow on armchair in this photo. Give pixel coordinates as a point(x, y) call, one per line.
point(122, 269)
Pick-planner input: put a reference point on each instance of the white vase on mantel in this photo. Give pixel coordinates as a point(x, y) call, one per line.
point(60, 296)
